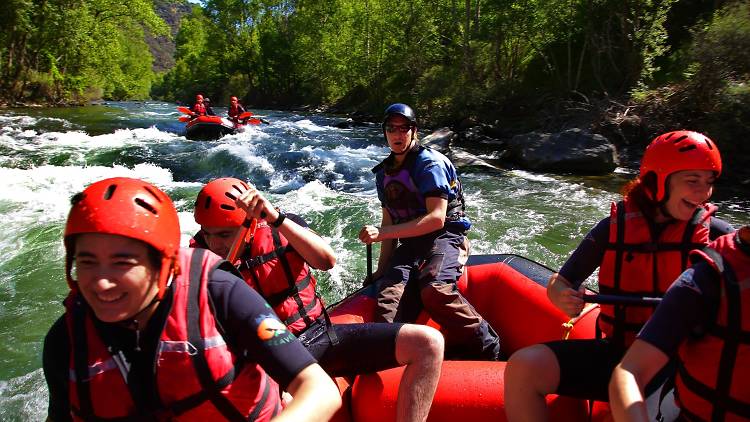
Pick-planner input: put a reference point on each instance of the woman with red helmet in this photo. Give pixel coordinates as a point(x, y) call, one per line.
point(235, 109)
point(639, 249)
point(277, 264)
point(199, 108)
point(153, 332)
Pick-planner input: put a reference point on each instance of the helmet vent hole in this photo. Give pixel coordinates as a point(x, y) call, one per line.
point(710, 145)
point(154, 194)
point(669, 135)
point(145, 205)
point(208, 202)
point(227, 207)
point(109, 192)
point(77, 198)
point(687, 148)
point(230, 196)
point(680, 139)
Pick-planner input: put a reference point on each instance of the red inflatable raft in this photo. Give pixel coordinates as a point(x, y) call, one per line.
point(509, 291)
point(210, 127)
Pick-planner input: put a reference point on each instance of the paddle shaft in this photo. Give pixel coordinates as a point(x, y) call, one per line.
point(622, 300)
point(369, 263)
point(248, 227)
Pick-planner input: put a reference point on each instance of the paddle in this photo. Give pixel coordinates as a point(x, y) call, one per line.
point(369, 279)
point(622, 300)
point(245, 115)
point(185, 110)
point(185, 118)
point(246, 231)
point(244, 234)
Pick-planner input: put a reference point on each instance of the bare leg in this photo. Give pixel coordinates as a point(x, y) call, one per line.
point(420, 348)
point(531, 374)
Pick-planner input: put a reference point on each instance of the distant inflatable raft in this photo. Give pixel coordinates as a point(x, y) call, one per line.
point(510, 292)
point(209, 128)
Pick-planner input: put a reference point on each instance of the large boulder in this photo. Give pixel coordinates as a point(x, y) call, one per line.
point(571, 151)
point(442, 140)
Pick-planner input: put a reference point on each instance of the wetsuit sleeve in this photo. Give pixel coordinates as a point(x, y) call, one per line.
point(588, 255)
point(55, 358)
point(432, 178)
point(689, 306)
point(719, 228)
point(251, 327)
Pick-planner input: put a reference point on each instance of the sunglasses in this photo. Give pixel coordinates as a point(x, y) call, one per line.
point(399, 128)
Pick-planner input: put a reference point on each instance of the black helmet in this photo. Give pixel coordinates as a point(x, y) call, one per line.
point(400, 110)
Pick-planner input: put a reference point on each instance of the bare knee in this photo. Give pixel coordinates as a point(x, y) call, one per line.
point(419, 343)
point(535, 366)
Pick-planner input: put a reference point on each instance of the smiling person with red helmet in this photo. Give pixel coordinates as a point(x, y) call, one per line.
point(235, 109)
point(640, 249)
point(277, 262)
point(199, 108)
point(153, 332)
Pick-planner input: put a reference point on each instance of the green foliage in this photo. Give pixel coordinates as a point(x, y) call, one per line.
point(83, 48)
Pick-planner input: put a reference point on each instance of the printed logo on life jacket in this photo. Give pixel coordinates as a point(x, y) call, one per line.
point(400, 197)
point(273, 331)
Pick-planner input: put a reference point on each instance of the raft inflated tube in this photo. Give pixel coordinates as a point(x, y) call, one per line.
point(467, 391)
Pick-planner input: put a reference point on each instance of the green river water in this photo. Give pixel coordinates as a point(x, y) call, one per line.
point(305, 164)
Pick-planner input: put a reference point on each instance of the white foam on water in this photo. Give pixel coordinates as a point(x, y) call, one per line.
point(118, 138)
point(24, 397)
point(247, 152)
point(42, 194)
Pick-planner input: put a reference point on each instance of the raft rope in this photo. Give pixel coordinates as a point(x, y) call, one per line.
point(568, 326)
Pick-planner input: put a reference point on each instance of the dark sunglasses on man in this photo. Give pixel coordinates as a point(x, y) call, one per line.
point(399, 128)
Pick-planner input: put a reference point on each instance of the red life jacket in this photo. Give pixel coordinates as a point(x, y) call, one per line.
point(275, 270)
point(638, 262)
point(713, 380)
point(234, 110)
point(199, 109)
point(197, 375)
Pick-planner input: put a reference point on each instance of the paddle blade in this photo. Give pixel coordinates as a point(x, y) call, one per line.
point(184, 118)
point(245, 115)
point(253, 121)
point(184, 110)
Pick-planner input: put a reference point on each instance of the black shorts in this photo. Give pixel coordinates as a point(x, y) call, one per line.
point(361, 348)
point(586, 367)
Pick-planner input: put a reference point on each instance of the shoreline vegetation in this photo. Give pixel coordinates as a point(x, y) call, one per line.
point(488, 70)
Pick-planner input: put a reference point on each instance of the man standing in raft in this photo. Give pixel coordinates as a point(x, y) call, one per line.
point(704, 320)
point(423, 210)
point(155, 332)
point(640, 249)
point(276, 262)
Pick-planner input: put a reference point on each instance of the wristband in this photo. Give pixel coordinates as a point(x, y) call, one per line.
point(279, 220)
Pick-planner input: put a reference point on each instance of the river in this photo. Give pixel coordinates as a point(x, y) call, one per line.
point(305, 164)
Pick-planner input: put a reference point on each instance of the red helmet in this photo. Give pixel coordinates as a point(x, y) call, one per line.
point(233, 99)
point(126, 207)
point(215, 206)
point(676, 151)
point(199, 97)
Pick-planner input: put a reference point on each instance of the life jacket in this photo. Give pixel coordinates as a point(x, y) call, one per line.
point(197, 376)
point(713, 378)
point(275, 270)
point(199, 109)
point(405, 202)
point(234, 110)
point(638, 262)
